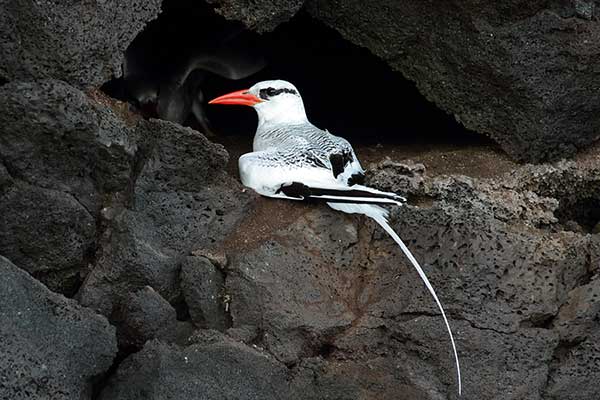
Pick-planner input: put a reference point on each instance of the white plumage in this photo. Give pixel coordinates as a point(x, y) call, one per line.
point(293, 159)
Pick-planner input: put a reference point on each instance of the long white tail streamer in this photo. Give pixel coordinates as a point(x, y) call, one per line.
point(380, 216)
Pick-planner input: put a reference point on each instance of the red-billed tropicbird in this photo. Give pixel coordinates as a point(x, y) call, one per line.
point(295, 160)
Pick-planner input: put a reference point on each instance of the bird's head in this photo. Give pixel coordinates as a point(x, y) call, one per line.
point(275, 101)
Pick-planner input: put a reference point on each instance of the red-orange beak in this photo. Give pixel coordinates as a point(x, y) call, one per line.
point(241, 97)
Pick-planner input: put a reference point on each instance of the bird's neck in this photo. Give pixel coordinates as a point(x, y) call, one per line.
point(274, 127)
point(277, 114)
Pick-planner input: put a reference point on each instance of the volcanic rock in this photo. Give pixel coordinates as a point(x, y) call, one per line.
point(52, 348)
point(520, 72)
point(80, 43)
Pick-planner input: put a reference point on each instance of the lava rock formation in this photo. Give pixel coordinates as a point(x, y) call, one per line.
point(135, 266)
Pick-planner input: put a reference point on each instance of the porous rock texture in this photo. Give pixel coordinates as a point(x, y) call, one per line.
point(214, 292)
point(79, 42)
point(181, 198)
point(329, 290)
point(260, 16)
point(211, 366)
point(522, 72)
point(144, 315)
point(62, 155)
point(52, 348)
point(202, 285)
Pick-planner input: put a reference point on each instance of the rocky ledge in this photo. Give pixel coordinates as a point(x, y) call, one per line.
point(135, 266)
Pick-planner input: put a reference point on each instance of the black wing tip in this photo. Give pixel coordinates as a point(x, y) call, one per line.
point(300, 191)
point(294, 190)
point(356, 179)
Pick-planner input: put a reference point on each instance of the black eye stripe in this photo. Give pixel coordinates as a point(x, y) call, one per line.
point(270, 92)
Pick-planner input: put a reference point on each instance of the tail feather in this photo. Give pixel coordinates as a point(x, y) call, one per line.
point(380, 216)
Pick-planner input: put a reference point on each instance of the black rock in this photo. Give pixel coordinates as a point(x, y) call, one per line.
point(260, 16)
point(80, 43)
point(520, 72)
point(203, 288)
point(219, 369)
point(57, 137)
point(63, 157)
point(144, 316)
point(296, 289)
point(48, 233)
point(52, 348)
point(182, 198)
point(575, 370)
point(334, 294)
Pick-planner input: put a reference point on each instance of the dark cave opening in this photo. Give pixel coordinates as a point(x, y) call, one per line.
point(346, 89)
point(580, 213)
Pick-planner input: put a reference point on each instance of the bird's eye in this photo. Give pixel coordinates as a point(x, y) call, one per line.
point(268, 92)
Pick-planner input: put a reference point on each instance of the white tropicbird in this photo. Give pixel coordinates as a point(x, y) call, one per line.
point(295, 160)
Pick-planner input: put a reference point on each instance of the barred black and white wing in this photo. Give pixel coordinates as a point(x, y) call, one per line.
point(338, 154)
point(286, 173)
point(345, 165)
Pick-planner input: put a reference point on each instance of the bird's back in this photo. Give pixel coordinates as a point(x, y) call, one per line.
point(305, 139)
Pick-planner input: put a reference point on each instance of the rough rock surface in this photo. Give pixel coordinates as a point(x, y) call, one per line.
point(228, 295)
point(78, 42)
point(333, 298)
point(202, 286)
point(117, 202)
point(182, 199)
point(577, 363)
point(521, 72)
point(324, 302)
point(52, 348)
point(260, 16)
point(144, 316)
point(215, 368)
point(300, 296)
point(62, 154)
